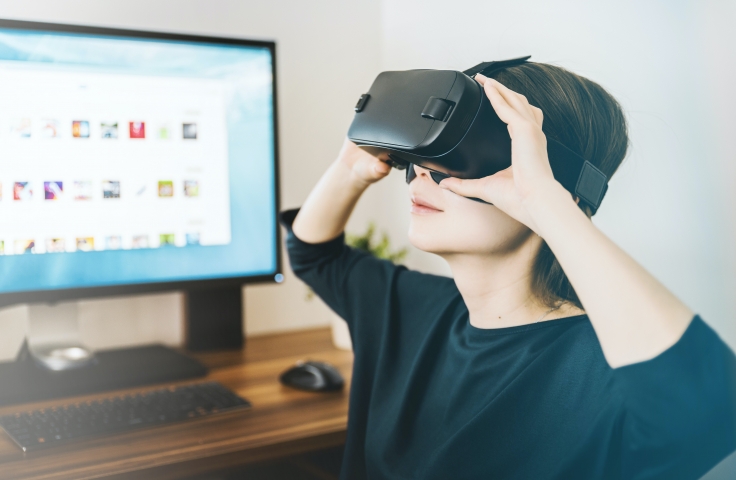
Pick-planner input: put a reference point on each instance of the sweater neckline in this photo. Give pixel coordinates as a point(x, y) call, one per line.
point(492, 332)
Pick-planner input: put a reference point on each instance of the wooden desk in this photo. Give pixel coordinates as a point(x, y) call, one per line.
point(282, 422)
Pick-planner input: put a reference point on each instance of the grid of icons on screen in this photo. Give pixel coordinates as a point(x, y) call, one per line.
point(86, 190)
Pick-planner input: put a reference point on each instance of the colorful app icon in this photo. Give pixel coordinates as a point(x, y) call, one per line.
point(20, 128)
point(55, 245)
point(80, 129)
point(110, 189)
point(109, 129)
point(49, 128)
point(193, 238)
point(191, 188)
point(85, 244)
point(137, 129)
point(113, 242)
point(165, 188)
point(167, 240)
point(22, 191)
point(139, 241)
point(25, 246)
point(53, 190)
point(163, 132)
point(189, 131)
point(83, 190)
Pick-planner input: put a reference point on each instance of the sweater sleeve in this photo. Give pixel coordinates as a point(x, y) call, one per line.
point(680, 408)
point(351, 282)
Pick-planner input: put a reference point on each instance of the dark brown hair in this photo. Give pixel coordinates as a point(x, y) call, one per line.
point(584, 117)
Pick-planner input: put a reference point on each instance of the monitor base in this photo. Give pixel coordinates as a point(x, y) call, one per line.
point(24, 380)
point(53, 339)
point(63, 356)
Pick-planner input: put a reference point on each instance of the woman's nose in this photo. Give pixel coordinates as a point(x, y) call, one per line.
point(436, 177)
point(413, 171)
point(420, 170)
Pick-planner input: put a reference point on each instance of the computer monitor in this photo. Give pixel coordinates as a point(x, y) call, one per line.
point(131, 162)
point(134, 162)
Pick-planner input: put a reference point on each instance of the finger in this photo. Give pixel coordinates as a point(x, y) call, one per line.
point(516, 100)
point(504, 111)
point(381, 168)
point(538, 115)
point(467, 188)
point(372, 170)
point(480, 78)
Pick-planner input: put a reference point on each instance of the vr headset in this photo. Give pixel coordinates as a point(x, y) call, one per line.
point(442, 120)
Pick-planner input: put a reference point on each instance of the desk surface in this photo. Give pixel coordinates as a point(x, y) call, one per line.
point(282, 422)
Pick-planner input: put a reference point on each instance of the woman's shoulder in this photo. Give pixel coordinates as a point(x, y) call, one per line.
point(573, 342)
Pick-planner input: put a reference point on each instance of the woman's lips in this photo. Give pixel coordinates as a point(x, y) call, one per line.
point(422, 207)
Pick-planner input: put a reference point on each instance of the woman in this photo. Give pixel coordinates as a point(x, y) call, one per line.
point(551, 353)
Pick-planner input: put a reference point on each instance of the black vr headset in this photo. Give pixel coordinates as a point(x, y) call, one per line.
point(442, 120)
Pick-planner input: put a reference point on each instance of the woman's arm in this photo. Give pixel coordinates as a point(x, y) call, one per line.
point(635, 317)
point(328, 207)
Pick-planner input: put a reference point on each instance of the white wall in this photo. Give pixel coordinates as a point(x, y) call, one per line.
point(671, 65)
point(327, 52)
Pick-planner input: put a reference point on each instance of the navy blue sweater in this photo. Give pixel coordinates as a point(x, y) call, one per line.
point(433, 397)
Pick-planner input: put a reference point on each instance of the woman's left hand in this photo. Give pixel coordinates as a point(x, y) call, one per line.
point(530, 174)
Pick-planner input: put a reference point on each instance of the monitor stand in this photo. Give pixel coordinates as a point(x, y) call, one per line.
point(53, 363)
point(53, 337)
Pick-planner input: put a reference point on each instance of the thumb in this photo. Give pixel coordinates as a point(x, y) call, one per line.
point(381, 167)
point(474, 188)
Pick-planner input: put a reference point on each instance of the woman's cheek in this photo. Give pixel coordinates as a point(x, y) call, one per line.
point(453, 230)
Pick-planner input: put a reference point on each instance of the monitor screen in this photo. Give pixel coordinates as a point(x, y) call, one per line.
point(133, 160)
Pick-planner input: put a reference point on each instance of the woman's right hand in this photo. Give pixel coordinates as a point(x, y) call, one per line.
point(364, 167)
point(327, 209)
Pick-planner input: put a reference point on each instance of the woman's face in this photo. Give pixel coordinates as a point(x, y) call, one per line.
point(443, 222)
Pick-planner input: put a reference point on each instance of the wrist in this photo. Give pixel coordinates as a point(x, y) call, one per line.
point(546, 202)
point(543, 193)
point(349, 178)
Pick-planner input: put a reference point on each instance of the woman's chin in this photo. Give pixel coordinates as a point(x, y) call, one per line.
point(423, 239)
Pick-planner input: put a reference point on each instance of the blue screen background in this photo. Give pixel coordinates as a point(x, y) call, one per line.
point(247, 73)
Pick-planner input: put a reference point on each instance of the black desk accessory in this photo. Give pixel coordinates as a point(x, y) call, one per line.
point(313, 376)
point(25, 381)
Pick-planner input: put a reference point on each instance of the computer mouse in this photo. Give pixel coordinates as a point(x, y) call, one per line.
point(312, 376)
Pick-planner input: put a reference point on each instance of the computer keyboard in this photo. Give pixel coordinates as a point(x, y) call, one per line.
point(58, 425)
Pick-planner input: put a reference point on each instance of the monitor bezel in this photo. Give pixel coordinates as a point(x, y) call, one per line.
point(69, 294)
